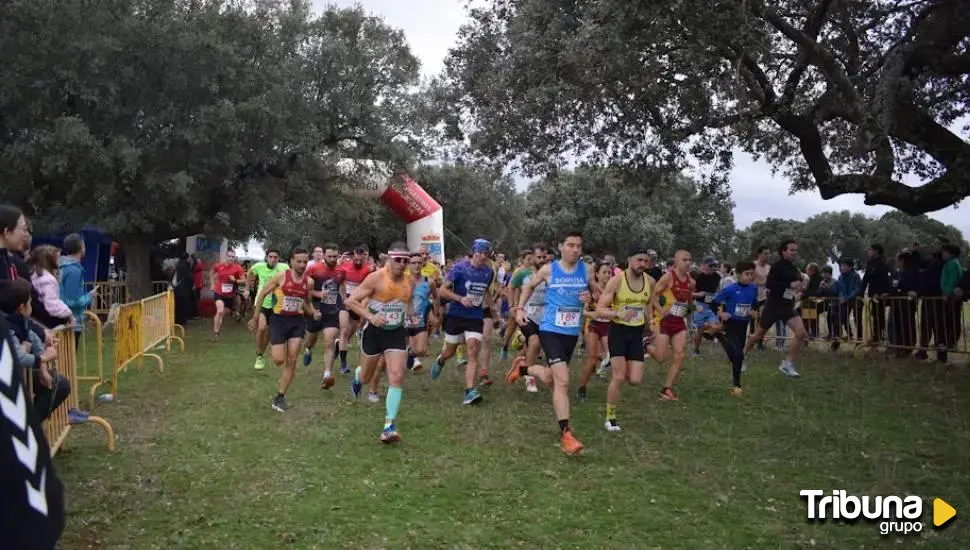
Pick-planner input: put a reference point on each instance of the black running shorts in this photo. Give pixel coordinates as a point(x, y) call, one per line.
point(626, 341)
point(283, 328)
point(558, 348)
point(377, 341)
point(773, 313)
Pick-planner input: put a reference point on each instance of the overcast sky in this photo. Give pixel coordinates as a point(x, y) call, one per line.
point(431, 27)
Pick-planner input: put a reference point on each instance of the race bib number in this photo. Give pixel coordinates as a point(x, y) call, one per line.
point(679, 309)
point(330, 298)
point(227, 288)
point(292, 304)
point(392, 317)
point(568, 317)
point(350, 287)
point(789, 294)
point(708, 298)
point(742, 310)
point(633, 314)
point(477, 299)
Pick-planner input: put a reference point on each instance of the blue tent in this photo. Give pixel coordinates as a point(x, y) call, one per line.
point(97, 257)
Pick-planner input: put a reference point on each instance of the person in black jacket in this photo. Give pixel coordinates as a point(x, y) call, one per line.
point(931, 307)
point(877, 281)
point(903, 306)
point(32, 516)
point(14, 240)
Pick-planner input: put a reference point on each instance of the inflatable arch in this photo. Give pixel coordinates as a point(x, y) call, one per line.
point(423, 216)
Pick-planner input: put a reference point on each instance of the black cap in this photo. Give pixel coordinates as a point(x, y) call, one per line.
point(360, 249)
point(637, 249)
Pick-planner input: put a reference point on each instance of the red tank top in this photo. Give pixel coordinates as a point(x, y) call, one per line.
point(681, 288)
point(291, 295)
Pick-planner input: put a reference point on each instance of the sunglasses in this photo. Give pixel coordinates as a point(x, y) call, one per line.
point(400, 260)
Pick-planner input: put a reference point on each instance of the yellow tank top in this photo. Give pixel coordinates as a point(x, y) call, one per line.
point(626, 300)
point(390, 302)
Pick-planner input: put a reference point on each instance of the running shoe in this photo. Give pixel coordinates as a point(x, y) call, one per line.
point(373, 397)
point(215, 337)
point(344, 369)
point(483, 379)
point(328, 381)
point(77, 416)
point(582, 394)
point(570, 445)
point(436, 368)
point(513, 374)
point(279, 403)
point(390, 435)
point(612, 425)
point(355, 386)
point(418, 365)
point(668, 394)
point(736, 392)
point(260, 363)
point(530, 384)
point(505, 355)
point(307, 357)
point(788, 369)
point(472, 397)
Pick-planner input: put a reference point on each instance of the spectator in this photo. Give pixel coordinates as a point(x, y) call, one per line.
point(931, 307)
point(902, 310)
point(655, 270)
point(72, 281)
point(50, 388)
point(44, 277)
point(849, 287)
point(198, 274)
point(727, 276)
point(829, 291)
point(952, 294)
point(877, 281)
point(814, 278)
point(14, 239)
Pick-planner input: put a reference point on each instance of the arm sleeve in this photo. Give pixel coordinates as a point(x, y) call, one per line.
point(50, 295)
point(24, 359)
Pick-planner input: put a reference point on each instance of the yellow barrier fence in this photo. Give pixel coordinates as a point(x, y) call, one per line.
point(139, 328)
point(108, 293)
point(57, 425)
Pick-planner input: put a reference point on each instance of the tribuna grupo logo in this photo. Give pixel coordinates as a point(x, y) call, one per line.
point(895, 514)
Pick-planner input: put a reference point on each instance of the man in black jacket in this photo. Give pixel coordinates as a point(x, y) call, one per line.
point(33, 496)
point(877, 280)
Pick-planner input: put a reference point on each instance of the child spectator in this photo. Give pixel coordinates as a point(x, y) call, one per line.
point(44, 277)
point(72, 281)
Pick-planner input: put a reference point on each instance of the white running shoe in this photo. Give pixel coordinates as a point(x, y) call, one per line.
point(788, 369)
point(530, 384)
point(611, 426)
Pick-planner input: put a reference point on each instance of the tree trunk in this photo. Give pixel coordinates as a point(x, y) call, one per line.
point(138, 249)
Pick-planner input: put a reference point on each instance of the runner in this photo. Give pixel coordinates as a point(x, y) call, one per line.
point(421, 298)
point(291, 306)
point(626, 302)
point(705, 319)
point(489, 317)
point(467, 287)
point(224, 277)
point(570, 284)
point(355, 271)
point(383, 299)
point(761, 269)
point(676, 287)
point(263, 272)
point(534, 310)
point(783, 282)
point(512, 293)
point(328, 291)
point(737, 300)
point(244, 306)
point(316, 257)
point(596, 331)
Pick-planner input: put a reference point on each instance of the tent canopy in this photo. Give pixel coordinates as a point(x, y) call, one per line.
point(97, 243)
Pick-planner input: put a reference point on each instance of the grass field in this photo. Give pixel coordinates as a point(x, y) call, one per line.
point(203, 462)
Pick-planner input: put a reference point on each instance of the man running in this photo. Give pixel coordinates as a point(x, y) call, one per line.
point(783, 282)
point(705, 319)
point(511, 290)
point(355, 271)
point(291, 306)
point(316, 257)
point(328, 289)
point(736, 299)
point(467, 287)
point(761, 270)
point(534, 309)
point(383, 300)
point(421, 298)
point(224, 276)
point(569, 284)
point(626, 302)
point(263, 273)
point(676, 287)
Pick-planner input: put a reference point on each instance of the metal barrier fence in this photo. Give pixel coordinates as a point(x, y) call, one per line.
point(110, 293)
point(902, 323)
point(57, 425)
point(139, 328)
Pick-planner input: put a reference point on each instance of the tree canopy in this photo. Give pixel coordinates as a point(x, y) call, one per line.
point(159, 120)
point(844, 96)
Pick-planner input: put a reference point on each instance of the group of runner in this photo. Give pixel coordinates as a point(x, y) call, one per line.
point(624, 315)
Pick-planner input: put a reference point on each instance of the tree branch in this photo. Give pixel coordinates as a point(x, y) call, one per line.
point(813, 25)
point(931, 196)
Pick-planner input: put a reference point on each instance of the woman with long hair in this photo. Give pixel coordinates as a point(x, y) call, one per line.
point(44, 276)
point(596, 330)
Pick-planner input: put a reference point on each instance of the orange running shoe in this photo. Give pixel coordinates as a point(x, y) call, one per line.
point(736, 391)
point(327, 382)
point(570, 445)
point(668, 394)
point(512, 375)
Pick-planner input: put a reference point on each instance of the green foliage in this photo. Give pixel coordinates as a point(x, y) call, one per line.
point(845, 97)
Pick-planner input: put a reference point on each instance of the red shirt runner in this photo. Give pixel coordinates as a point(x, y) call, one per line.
point(328, 279)
point(223, 286)
point(354, 275)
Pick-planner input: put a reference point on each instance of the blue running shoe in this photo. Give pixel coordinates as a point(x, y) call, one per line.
point(505, 355)
point(307, 357)
point(436, 368)
point(472, 397)
point(390, 435)
point(355, 384)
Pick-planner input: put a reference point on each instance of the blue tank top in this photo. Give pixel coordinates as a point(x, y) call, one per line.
point(468, 280)
point(420, 299)
point(564, 311)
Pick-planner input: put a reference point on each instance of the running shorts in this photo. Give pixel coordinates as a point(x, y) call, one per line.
point(773, 313)
point(530, 329)
point(283, 328)
point(266, 312)
point(327, 320)
point(672, 325)
point(558, 348)
point(461, 329)
point(377, 341)
point(626, 341)
point(228, 301)
point(487, 313)
point(601, 328)
point(414, 331)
